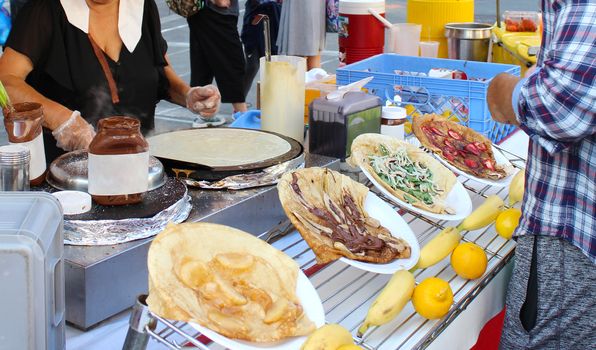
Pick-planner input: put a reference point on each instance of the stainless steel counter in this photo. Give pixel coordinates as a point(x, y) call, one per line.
point(104, 280)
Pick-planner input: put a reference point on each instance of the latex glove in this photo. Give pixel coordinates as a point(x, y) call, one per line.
point(74, 134)
point(203, 100)
point(222, 3)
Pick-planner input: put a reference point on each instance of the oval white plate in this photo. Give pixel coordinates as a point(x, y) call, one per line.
point(499, 158)
point(311, 302)
point(458, 199)
point(378, 209)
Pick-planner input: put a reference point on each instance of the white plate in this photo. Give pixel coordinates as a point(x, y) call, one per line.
point(458, 199)
point(311, 302)
point(378, 209)
point(499, 158)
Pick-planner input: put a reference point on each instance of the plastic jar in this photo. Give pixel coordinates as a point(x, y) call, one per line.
point(24, 128)
point(392, 121)
point(118, 162)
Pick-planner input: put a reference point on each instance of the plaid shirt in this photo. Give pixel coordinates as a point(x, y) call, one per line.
point(556, 107)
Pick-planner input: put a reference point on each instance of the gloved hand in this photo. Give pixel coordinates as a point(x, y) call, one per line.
point(222, 3)
point(203, 100)
point(74, 134)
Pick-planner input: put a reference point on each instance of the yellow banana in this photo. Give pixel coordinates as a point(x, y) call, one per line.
point(484, 215)
point(329, 337)
point(390, 301)
point(439, 247)
point(349, 347)
point(516, 187)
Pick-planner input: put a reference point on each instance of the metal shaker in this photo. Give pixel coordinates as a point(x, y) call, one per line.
point(14, 168)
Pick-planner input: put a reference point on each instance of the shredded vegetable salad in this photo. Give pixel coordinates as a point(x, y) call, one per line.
point(401, 173)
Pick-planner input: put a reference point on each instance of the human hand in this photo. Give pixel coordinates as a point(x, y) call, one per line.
point(530, 71)
point(203, 100)
point(222, 3)
point(74, 134)
point(498, 98)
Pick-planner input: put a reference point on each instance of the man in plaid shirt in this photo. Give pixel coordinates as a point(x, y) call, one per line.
point(552, 293)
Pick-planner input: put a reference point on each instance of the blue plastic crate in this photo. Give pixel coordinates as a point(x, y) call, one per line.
point(459, 100)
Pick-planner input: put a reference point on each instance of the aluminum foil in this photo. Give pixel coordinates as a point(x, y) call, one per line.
point(265, 177)
point(109, 232)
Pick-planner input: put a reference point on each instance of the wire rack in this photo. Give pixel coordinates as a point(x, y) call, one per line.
point(347, 292)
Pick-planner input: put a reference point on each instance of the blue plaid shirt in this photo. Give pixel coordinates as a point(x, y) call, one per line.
point(556, 107)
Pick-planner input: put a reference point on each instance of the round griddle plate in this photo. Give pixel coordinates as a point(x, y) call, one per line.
point(153, 202)
point(203, 172)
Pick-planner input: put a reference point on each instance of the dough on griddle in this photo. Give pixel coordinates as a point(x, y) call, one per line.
point(218, 147)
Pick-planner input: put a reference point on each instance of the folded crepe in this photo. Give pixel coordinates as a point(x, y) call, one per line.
point(460, 146)
point(327, 208)
point(226, 280)
point(404, 170)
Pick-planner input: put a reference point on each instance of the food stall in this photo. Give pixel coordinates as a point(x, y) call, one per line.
point(346, 292)
point(103, 279)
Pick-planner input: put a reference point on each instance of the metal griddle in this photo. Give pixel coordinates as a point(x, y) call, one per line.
point(197, 171)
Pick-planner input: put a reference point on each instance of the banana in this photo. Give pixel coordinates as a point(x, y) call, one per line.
point(329, 337)
point(439, 247)
point(390, 301)
point(350, 347)
point(516, 187)
point(484, 215)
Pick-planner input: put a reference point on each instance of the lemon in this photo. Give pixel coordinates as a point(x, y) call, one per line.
point(432, 298)
point(468, 260)
point(507, 221)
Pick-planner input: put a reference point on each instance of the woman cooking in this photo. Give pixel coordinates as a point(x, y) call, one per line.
point(88, 59)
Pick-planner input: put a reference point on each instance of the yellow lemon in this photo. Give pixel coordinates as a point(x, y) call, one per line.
point(468, 260)
point(432, 298)
point(507, 221)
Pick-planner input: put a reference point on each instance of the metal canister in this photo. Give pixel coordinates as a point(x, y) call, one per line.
point(14, 168)
point(468, 41)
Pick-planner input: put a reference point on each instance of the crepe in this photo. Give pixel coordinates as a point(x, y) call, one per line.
point(226, 280)
point(367, 145)
point(459, 145)
point(327, 208)
point(218, 147)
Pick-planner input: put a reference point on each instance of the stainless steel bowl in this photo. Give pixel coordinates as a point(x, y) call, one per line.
point(69, 172)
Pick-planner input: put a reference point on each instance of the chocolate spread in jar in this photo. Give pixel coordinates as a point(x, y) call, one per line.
point(24, 127)
point(118, 162)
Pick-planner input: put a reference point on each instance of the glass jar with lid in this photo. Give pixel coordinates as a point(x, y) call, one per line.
point(118, 162)
point(24, 128)
point(393, 119)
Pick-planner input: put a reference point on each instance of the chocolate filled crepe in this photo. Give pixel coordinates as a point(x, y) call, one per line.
point(327, 208)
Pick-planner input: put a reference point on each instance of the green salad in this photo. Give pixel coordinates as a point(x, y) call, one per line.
point(401, 173)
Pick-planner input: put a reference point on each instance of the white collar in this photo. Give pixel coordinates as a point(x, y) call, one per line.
point(130, 19)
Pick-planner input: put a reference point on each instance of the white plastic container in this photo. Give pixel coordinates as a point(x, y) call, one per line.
point(392, 121)
point(31, 271)
point(282, 95)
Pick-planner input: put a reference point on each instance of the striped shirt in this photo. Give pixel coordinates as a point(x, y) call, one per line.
point(556, 107)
